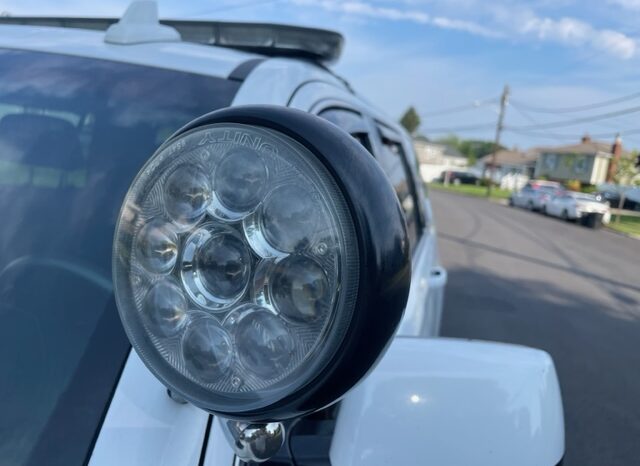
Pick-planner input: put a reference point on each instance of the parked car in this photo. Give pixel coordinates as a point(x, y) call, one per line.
point(458, 177)
point(273, 265)
point(613, 198)
point(571, 205)
point(535, 194)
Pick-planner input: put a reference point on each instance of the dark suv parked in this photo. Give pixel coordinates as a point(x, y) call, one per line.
point(458, 177)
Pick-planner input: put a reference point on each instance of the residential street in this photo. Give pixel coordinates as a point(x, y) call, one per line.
point(520, 277)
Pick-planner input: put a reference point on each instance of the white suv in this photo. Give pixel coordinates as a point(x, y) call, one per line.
point(264, 262)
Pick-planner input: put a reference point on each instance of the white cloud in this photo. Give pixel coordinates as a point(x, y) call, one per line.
point(628, 4)
point(466, 26)
point(369, 10)
point(571, 31)
point(615, 43)
point(397, 14)
point(567, 30)
point(505, 20)
point(377, 12)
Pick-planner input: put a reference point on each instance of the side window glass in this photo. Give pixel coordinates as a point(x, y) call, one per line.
point(350, 121)
point(393, 161)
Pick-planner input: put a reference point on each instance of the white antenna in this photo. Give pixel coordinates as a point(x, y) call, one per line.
point(140, 24)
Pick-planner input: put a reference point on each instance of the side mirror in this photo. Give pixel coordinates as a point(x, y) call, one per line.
point(261, 264)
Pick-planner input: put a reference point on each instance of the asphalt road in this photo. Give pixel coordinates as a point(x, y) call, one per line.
point(520, 277)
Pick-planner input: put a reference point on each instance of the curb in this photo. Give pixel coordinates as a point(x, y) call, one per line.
point(620, 233)
point(500, 201)
point(495, 200)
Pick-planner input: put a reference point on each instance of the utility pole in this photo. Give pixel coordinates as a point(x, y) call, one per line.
point(504, 100)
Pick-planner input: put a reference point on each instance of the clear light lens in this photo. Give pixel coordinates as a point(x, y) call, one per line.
point(187, 193)
point(289, 218)
point(240, 182)
point(236, 251)
point(157, 246)
point(264, 343)
point(300, 289)
point(206, 349)
point(216, 266)
point(165, 308)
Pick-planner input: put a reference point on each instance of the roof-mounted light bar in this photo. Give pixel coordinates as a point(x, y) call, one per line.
point(261, 38)
point(268, 39)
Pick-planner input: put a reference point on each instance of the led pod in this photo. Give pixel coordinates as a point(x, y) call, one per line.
point(260, 263)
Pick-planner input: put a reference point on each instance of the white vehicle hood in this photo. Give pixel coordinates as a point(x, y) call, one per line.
point(454, 403)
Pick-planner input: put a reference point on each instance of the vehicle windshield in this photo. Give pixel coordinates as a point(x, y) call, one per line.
point(73, 134)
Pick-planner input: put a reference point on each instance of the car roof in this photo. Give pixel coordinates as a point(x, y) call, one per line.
point(580, 195)
point(180, 56)
point(540, 183)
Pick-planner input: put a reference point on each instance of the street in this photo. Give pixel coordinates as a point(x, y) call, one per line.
point(520, 277)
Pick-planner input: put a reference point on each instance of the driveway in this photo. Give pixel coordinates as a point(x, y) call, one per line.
point(520, 277)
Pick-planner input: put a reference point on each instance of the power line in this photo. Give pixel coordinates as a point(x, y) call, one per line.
point(231, 7)
point(546, 135)
point(579, 108)
point(460, 129)
point(462, 108)
point(528, 117)
point(574, 137)
point(576, 121)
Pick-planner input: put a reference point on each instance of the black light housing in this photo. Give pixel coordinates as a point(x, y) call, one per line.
point(383, 262)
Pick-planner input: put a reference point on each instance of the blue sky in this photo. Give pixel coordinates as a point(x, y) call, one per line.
point(437, 54)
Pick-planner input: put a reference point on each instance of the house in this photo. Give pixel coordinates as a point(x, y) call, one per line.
point(590, 162)
point(434, 158)
point(512, 169)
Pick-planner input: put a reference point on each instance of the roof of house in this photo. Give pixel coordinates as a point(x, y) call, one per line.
point(590, 147)
point(512, 157)
point(584, 148)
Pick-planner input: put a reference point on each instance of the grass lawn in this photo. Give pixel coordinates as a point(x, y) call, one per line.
point(627, 224)
point(471, 190)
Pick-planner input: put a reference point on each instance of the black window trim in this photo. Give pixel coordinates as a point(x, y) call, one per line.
point(376, 130)
point(388, 134)
point(364, 131)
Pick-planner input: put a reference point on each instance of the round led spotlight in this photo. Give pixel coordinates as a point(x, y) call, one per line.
point(261, 263)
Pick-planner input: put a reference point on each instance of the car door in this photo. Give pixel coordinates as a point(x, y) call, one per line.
point(554, 204)
point(563, 204)
point(520, 199)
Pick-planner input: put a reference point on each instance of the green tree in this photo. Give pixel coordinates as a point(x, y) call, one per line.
point(410, 120)
point(450, 140)
point(626, 173)
point(473, 149)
